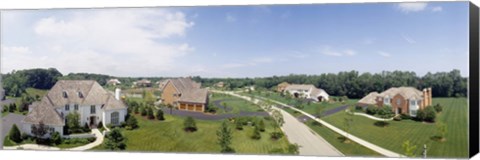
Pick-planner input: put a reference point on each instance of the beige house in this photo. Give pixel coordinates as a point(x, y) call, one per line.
point(404, 100)
point(86, 97)
point(185, 94)
point(307, 91)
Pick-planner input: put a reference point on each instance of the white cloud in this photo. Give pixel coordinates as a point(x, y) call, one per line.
point(408, 39)
point(437, 9)
point(327, 50)
point(412, 6)
point(384, 54)
point(230, 18)
point(15, 49)
point(130, 42)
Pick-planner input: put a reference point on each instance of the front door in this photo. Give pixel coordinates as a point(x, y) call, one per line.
point(92, 122)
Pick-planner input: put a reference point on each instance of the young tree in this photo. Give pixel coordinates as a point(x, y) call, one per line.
point(56, 138)
point(39, 130)
point(224, 137)
point(261, 126)
point(421, 115)
point(430, 114)
point(160, 115)
point(150, 113)
point(256, 133)
point(438, 108)
point(189, 124)
point(15, 134)
point(143, 111)
point(115, 140)
point(238, 124)
point(279, 121)
point(73, 122)
point(442, 130)
point(131, 123)
point(409, 148)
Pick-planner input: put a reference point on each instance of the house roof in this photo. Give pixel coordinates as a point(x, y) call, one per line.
point(317, 91)
point(370, 98)
point(190, 90)
point(406, 92)
point(299, 87)
point(114, 81)
point(44, 112)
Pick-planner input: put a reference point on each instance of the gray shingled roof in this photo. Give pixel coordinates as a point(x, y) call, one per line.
point(407, 92)
point(190, 90)
point(44, 112)
point(370, 98)
point(299, 87)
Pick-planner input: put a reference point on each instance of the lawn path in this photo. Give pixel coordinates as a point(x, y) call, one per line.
point(310, 143)
point(367, 144)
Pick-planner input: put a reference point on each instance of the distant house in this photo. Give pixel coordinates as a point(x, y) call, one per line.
point(162, 83)
point(86, 97)
point(307, 91)
point(113, 82)
point(281, 87)
point(185, 94)
point(404, 100)
point(143, 83)
point(220, 84)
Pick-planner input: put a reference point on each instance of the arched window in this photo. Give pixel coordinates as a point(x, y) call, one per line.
point(114, 118)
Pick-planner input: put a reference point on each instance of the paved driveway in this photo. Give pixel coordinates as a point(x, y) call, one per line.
point(7, 123)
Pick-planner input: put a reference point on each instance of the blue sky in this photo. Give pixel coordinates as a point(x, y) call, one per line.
point(240, 41)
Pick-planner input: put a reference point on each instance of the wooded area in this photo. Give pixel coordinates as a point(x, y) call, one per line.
point(348, 83)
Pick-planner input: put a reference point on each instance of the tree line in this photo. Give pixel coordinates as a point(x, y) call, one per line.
point(347, 83)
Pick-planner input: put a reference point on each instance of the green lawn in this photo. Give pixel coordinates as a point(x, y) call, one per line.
point(348, 149)
point(168, 136)
point(391, 137)
point(34, 92)
point(234, 103)
point(63, 145)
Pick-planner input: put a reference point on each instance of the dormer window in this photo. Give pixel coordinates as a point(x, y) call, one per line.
point(80, 94)
point(67, 107)
point(65, 94)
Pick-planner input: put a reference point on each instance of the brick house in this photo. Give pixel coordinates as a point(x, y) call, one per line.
point(184, 94)
point(403, 100)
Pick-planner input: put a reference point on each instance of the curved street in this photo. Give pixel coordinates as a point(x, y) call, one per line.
point(310, 143)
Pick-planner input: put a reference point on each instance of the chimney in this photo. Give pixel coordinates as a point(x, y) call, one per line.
point(425, 98)
point(117, 93)
point(430, 95)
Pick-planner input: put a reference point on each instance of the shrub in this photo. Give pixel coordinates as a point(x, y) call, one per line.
point(100, 125)
point(438, 108)
point(86, 128)
point(381, 124)
point(135, 109)
point(150, 113)
point(420, 115)
point(430, 114)
point(25, 136)
point(261, 126)
point(371, 110)
point(131, 123)
point(397, 118)
point(91, 139)
point(56, 139)
point(15, 134)
point(256, 133)
point(143, 111)
point(115, 140)
point(189, 125)
point(160, 115)
point(276, 135)
point(405, 116)
point(238, 124)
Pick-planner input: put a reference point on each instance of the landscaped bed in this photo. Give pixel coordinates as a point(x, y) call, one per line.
point(391, 137)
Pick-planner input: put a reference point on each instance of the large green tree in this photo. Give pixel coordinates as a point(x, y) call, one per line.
point(224, 138)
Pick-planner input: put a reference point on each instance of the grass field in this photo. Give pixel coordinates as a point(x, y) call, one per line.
point(234, 103)
point(36, 92)
point(391, 137)
point(348, 149)
point(168, 136)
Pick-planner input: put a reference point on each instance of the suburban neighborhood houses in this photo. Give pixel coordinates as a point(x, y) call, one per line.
point(308, 80)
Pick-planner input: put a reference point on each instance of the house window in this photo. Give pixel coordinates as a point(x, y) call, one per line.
point(67, 107)
point(114, 118)
point(387, 100)
point(65, 94)
point(92, 109)
point(412, 103)
point(413, 112)
point(75, 107)
point(80, 94)
point(51, 129)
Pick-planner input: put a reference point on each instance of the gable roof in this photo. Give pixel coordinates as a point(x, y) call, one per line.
point(299, 87)
point(370, 98)
point(44, 112)
point(317, 91)
point(406, 92)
